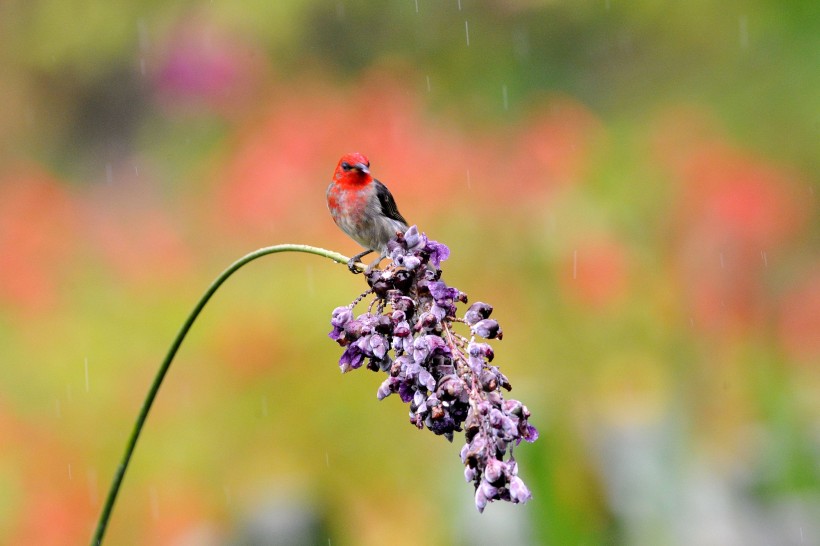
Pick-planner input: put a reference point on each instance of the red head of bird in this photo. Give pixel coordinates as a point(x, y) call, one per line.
point(353, 170)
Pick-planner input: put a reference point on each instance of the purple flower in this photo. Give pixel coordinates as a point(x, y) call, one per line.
point(518, 491)
point(411, 332)
point(487, 328)
point(426, 379)
point(402, 329)
point(483, 494)
point(378, 346)
point(388, 387)
point(421, 349)
point(412, 239)
point(494, 471)
point(451, 387)
point(529, 432)
point(438, 252)
point(409, 262)
point(341, 316)
point(477, 311)
point(351, 359)
point(406, 391)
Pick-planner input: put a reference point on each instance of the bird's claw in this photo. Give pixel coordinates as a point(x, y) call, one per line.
point(351, 265)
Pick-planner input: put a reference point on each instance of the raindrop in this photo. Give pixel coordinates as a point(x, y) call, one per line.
point(765, 258)
point(459, 5)
point(574, 264)
point(142, 66)
point(428, 83)
point(607, 5)
point(504, 97)
point(743, 23)
point(417, 6)
point(467, 30)
point(86, 374)
point(57, 408)
point(340, 10)
point(327, 459)
point(70, 477)
point(469, 180)
point(109, 173)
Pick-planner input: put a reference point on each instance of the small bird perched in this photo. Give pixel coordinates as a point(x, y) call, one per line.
point(363, 207)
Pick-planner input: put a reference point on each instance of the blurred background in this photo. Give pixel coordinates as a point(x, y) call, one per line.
point(632, 185)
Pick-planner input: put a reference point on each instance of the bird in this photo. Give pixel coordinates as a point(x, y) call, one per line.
point(363, 208)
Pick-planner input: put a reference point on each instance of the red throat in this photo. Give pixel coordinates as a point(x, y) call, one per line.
point(352, 179)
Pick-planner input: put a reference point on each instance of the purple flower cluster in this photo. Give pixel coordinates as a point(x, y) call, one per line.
point(447, 378)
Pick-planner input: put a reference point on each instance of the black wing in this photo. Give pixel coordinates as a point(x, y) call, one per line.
point(387, 203)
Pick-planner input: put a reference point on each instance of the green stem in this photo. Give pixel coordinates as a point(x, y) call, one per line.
point(96, 540)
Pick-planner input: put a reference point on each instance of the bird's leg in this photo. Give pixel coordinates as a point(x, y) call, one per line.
point(351, 263)
point(374, 264)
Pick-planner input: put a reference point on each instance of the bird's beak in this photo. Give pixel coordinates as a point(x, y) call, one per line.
point(361, 167)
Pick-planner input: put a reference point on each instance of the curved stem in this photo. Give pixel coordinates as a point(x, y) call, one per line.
point(96, 540)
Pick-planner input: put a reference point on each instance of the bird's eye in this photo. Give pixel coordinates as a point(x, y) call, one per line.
point(346, 165)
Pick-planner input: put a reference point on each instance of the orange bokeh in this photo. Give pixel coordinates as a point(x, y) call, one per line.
point(56, 504)
point(596, 273)
point(799, 318)
point(553, 148)
point(38, 229)
point(735, 215)
point(135, 233)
